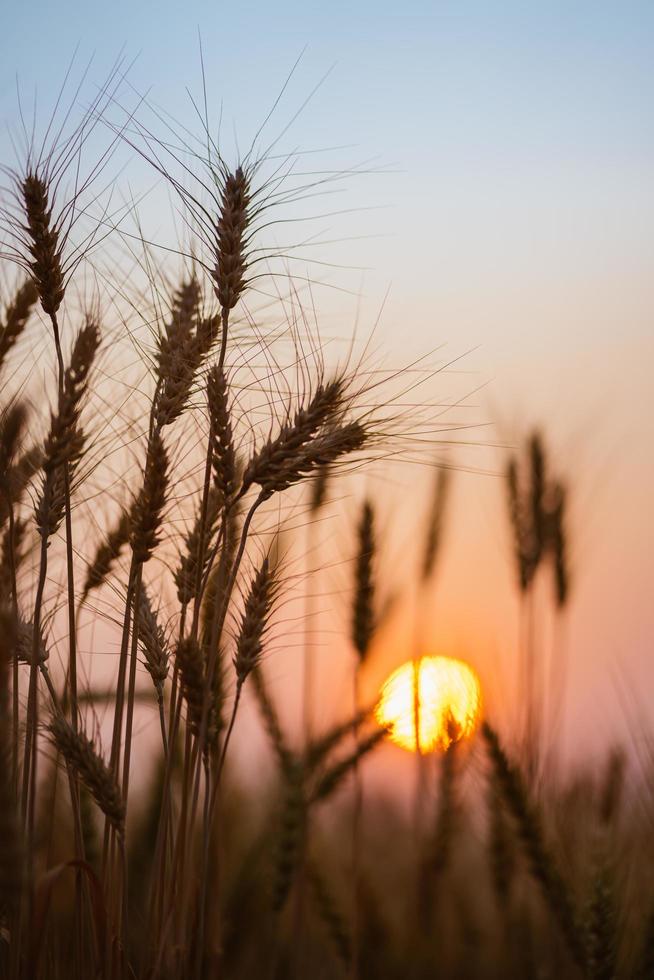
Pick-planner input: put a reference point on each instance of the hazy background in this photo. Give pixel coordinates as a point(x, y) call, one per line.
point(509, 216)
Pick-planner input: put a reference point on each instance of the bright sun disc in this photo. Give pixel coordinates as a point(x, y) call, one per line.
point(448, 704)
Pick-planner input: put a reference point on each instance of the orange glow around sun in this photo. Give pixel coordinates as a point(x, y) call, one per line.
point(448, 704)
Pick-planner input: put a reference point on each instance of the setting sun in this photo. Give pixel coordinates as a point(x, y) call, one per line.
point(449, 699)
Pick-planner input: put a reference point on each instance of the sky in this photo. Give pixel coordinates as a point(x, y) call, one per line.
point(504, 208)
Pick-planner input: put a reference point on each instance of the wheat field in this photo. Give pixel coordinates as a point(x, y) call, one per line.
point(171, 427)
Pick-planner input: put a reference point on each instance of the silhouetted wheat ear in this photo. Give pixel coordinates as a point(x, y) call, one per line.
point(231, 238)
point(538, 469)
point(325, 449)
point(331, 445)
point(64, 442)
point(17, 478)
point(542, 868)
point(255, 620)
point(190, 663)
point(363, 612)
point(517, 523)
point(528, 510)
point(213, 598)
point(44, 244)
point(24, 643)
point(272, 466)
point(147, 512)
point(14, 477)
point(16, 316)
point(153, 642)
point(178, 330)
point(12, 426)
point(107, 554)
point(183, 347)
point(81, 755)
point(191, 560)
point(50, 505)
point(319, 748)
point(335, 776)
point(223, 459)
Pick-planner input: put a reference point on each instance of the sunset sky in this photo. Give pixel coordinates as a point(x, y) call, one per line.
point(507, 209)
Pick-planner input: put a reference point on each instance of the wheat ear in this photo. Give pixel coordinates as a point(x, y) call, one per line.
point(542, 867)
point(80, 753)
point(44, 242)
point(16, 316)
point(107, 554)
point(363, 615)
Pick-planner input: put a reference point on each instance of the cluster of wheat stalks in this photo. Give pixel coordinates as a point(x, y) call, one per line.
point(226, 592)
point(187, 887)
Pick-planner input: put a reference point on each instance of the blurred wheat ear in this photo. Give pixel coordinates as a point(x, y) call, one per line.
point(555, 891)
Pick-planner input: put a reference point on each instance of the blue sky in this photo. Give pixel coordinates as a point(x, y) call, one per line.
point(510, 80)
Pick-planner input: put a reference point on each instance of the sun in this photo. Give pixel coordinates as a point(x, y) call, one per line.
point(447, 706)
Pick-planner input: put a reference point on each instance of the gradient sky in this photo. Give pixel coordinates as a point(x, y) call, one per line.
point(511, 212)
